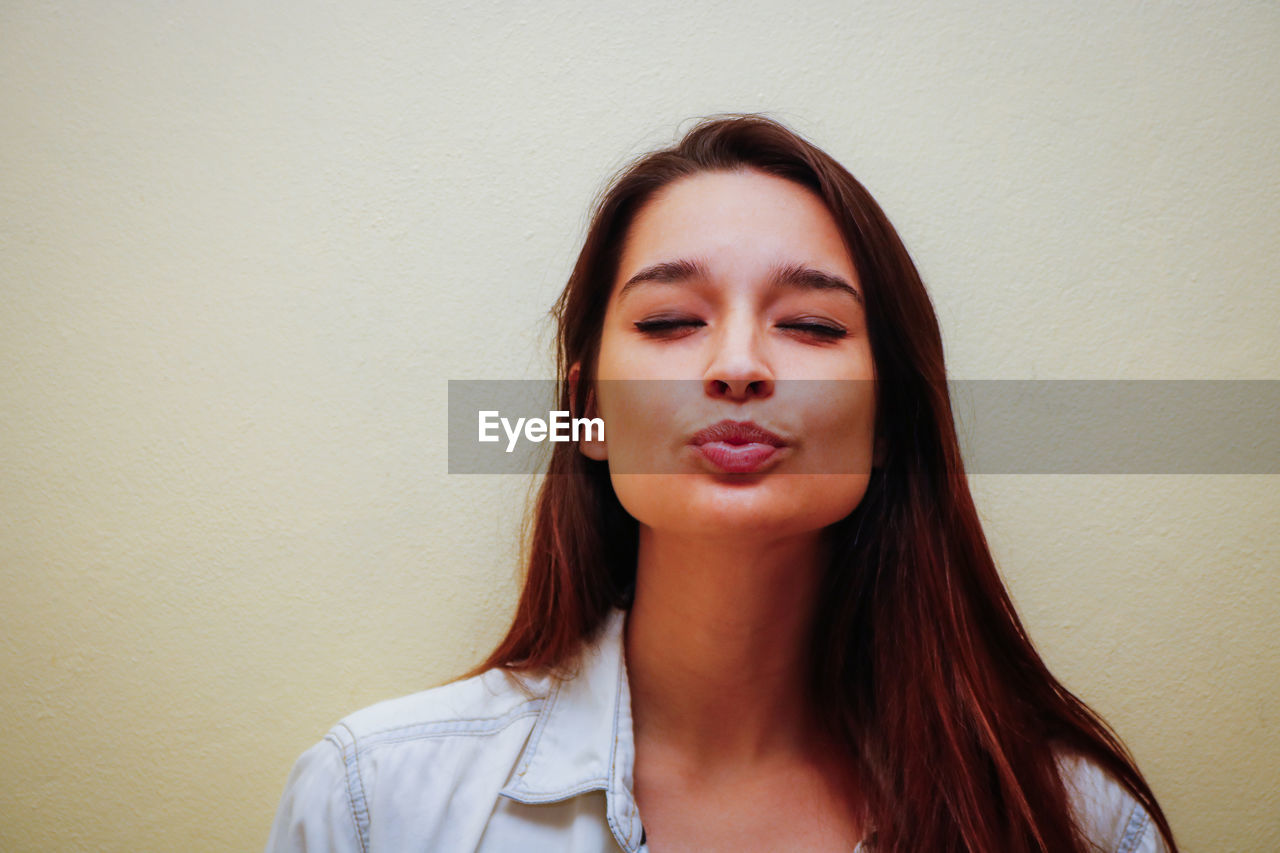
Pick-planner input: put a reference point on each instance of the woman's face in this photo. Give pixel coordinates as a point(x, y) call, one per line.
point(736, 299)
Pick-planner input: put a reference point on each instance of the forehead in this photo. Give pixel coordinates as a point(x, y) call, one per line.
point(735, 218)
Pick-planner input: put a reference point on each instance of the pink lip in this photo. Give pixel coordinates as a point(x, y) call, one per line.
point(738, 447)
point(736, 432)
point(737, 458)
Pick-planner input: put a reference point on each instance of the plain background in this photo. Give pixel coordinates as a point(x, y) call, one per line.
point(244, 246)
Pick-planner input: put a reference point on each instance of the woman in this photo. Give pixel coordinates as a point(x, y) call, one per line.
point(760, 612)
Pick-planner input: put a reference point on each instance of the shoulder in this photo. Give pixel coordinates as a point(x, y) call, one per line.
point(1112, 818)
point(483, 703)
point(400, 759)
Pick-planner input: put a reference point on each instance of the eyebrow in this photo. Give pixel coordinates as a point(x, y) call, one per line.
point(797, 276)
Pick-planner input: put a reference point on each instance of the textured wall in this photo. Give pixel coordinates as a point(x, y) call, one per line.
point(243, 246)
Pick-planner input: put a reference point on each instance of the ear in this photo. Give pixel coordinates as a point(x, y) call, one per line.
point(592, 448)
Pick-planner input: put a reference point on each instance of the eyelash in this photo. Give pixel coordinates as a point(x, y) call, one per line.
point(661, 328)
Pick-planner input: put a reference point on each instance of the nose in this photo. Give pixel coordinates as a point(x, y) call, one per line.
point(738, 369)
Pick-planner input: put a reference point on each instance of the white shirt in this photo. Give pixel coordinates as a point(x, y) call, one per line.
point(482, 765)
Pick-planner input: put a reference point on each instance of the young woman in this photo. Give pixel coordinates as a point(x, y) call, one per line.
point(759, 613)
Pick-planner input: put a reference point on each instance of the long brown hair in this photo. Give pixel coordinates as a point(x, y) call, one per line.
point(919, 665)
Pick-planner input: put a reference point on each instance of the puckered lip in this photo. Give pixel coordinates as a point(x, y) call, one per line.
point(737, 432)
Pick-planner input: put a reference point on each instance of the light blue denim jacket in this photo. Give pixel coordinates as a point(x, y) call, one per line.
point(488, 766)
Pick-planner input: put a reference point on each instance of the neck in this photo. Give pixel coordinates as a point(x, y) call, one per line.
point(717, 646)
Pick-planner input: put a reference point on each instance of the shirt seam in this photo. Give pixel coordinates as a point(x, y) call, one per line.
point(613, 750)
point(442, 728)
point(535, 738)
point(1137, 824)
point(544, 797)
point(354, 784)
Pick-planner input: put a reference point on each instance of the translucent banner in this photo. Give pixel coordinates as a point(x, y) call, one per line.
point(1005, 426)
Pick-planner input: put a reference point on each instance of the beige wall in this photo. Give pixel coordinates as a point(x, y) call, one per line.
point(244, 245)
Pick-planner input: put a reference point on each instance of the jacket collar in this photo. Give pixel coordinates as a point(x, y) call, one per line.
point(582, 740)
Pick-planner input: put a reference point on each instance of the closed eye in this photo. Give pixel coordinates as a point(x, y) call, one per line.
point(820, 329)
point(664, 327)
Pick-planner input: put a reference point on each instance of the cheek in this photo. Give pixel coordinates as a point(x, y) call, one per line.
point(640, 417)
point(648, 498)
point(839, 427)
point(618, 356)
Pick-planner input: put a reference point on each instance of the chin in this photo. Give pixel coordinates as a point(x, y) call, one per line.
point(747, 521)
point(736, 505)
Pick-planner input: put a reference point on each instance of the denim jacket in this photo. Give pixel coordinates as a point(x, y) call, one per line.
point(490, 765)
